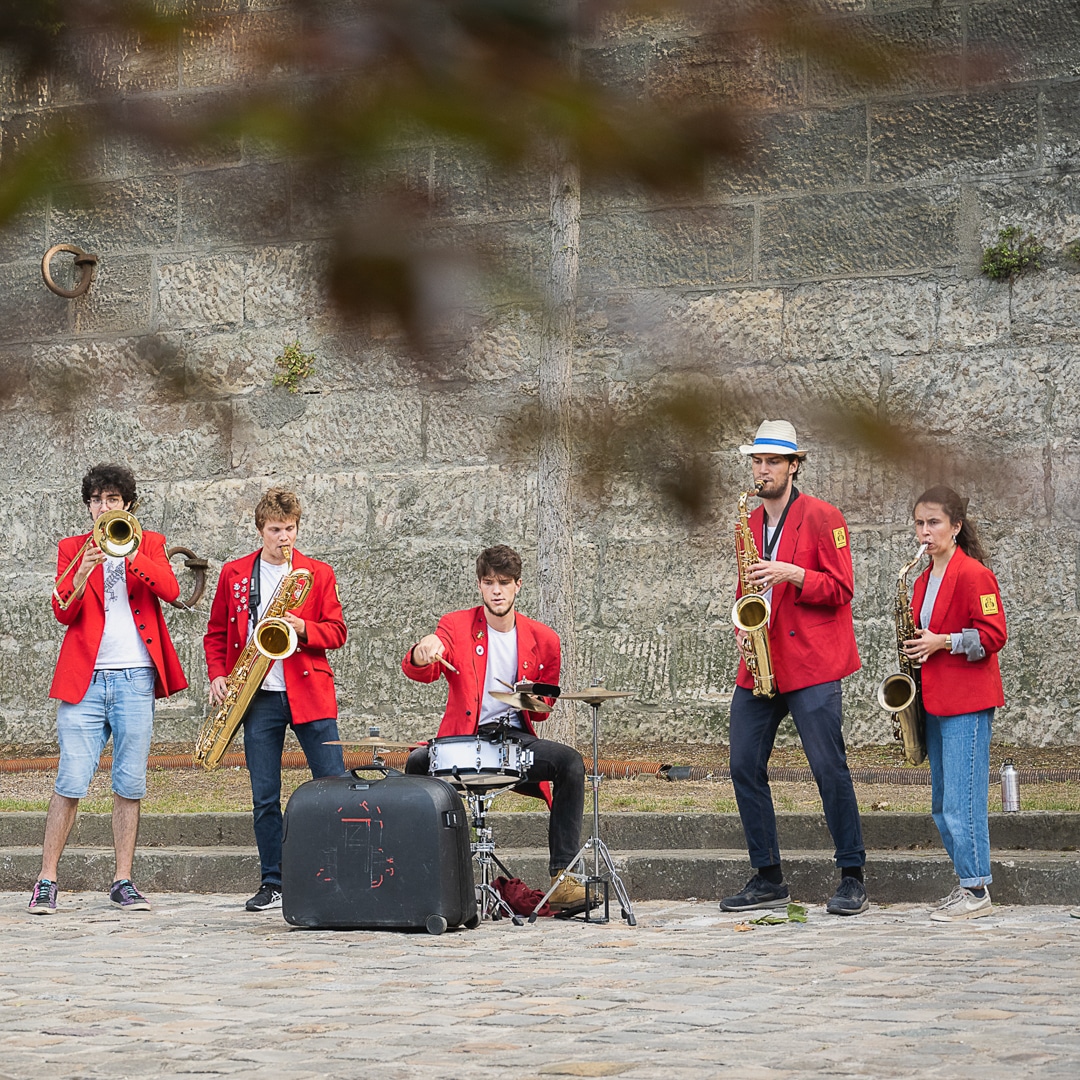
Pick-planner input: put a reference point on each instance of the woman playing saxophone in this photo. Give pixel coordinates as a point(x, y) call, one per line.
point(960, 628)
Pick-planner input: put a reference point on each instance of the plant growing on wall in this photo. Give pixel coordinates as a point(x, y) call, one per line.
point(1012, 255)
point(293, 366)
point(1072, 251)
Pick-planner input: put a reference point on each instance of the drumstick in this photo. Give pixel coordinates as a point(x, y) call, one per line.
point(447, 664)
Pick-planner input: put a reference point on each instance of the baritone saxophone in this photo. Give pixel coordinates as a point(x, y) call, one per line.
point(901, 693)
point(273, 639)
point(751, 611)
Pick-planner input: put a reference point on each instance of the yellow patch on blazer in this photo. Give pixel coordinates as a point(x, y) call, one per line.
point(989, 604)
point(839, 538)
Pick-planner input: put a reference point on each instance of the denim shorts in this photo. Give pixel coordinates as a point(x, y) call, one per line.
point(117, 703)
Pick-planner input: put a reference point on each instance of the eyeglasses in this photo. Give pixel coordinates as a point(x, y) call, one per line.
point(109, 501)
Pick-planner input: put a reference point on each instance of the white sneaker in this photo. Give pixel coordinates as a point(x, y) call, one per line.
point(963, 904)
point(1075, 913)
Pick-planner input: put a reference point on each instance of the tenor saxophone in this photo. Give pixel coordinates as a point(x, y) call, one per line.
point(900, 693)
point(273, 639)
point(751, 611)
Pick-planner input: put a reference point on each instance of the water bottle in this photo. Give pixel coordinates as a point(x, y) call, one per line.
point(1010, 786)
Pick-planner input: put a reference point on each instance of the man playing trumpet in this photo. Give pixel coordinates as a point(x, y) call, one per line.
point(116, 658)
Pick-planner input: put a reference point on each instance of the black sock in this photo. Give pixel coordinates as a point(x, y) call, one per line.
point(851, 871)
point(772, 874)
point(978, 891)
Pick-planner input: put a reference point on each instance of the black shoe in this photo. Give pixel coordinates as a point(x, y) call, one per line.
point(757, 893)
point(850, 898)
point(268, 896)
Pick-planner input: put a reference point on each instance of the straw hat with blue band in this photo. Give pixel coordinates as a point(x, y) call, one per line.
point(775, 437)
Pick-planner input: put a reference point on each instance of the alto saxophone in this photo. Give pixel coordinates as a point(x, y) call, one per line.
point(751, 611)
point(901, 693)
point(273, 639)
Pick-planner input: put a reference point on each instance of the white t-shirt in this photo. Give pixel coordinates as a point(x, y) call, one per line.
point(502, 666)
point(270, 577)
point(122, 645)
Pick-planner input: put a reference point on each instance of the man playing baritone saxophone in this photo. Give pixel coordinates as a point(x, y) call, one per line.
point(806, 574)
point(116, 658)
point(297, 692)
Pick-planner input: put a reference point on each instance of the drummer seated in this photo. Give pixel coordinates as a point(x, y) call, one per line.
point(485, 650)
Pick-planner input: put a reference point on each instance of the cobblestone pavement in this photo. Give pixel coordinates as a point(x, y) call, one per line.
point(198, 986)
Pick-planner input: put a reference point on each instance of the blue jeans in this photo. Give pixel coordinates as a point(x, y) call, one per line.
point(959, 751)
point(118, 703)
point(267, 719)
point(816, 711)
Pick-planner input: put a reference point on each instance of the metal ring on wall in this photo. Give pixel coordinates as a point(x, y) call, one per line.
point(198, 567)
point(86, 264)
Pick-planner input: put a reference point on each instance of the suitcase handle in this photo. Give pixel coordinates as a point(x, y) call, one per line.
point(386, 770)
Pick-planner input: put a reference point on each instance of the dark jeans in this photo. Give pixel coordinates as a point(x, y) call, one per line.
point(816, 711)
point(268, 717)
point(560, 764)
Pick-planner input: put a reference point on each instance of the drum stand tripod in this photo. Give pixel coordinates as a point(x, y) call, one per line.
point(492, 905)
point(594, 697)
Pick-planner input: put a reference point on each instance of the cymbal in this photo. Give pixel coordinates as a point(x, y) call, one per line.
point(595, 695)
point(383, 744)
point(522, 702)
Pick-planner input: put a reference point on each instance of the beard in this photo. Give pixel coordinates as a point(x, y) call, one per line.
point(775, 489)
point(498, 614)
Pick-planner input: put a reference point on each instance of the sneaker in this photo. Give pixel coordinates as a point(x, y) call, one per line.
point(124, 895)
point(757, 893)
point(1075, 913)
point(268, 896)
point(43, 898)
point(849, 899)
point(963, 904)
point(570, 893)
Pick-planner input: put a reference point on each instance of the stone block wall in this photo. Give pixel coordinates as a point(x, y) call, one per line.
point(838, 263)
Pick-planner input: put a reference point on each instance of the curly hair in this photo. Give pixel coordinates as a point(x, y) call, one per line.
point(109, 477)
point(277, 505)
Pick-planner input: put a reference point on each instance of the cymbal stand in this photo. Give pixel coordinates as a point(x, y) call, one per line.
point(492, 905)
point(597, 880)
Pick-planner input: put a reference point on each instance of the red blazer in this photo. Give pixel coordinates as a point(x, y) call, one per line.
point(309, 680)
point(968, 599)
point(811, 633)
point(150, 579)
point(464, 636)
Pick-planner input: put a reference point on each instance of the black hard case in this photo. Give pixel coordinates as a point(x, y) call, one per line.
point(383, 852)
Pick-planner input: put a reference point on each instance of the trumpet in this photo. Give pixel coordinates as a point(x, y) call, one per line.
point(117, 532)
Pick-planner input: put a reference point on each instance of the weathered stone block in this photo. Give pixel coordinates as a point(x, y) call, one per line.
point(285, 283)
point(467, 187)
point(859, 233)
point(202, 291)
point(236, 48)
point(871, 318)
point(813, 149)
point(1027, 41)
point(245, 204)
point(688, 247)
point(1061, 125)
point(746, 323)
point(1044, 309)
point(119, 298)
point(23, 236)
point(953, 137)
point(136, 214)
point(972, 313)
point(28, 310)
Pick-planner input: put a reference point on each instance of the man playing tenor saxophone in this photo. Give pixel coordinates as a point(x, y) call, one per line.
point(296, 692)
point(805, 574)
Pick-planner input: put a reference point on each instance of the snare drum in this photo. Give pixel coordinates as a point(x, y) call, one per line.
point(474, 761)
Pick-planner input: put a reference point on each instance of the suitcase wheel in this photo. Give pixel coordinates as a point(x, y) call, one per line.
point(472, 922)
point(435, 924)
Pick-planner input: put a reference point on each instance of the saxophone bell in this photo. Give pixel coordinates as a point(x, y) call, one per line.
point(896, 692)
point(275, 639)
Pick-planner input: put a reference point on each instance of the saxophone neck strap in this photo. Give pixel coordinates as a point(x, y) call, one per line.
point(767, 545)
point(255, 588)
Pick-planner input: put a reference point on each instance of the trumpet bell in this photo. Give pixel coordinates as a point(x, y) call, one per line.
point(750, 613)
point(275, 638)
point(896, 692)
point(117, 533)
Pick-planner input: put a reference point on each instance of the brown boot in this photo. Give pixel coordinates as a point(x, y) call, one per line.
point(570, 892)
